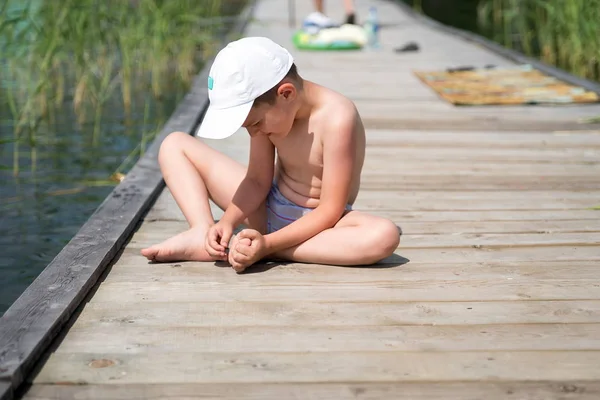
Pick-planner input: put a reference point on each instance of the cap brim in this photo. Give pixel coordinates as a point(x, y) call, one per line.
point(222, 123)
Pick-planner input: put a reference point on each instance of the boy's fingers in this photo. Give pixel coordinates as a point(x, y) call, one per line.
point(249, 234)
point(240, 257)
point(244, 249)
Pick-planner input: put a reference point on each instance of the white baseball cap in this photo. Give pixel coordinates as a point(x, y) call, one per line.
point(241, 72)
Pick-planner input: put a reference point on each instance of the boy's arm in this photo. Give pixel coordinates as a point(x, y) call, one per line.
point(256, 184)
point(339, 149)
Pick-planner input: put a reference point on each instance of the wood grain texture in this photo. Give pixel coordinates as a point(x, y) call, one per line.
point(331, 367)
point(541, 390)
point(134, 340)
point(6, 391)
point(275, 313)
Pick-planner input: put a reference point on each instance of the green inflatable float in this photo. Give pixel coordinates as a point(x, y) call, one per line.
point(346, 37)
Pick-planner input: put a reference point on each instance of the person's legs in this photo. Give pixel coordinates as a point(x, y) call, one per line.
point(319, 6)
point(350, 13)
point(194, 172)
point(357, 239)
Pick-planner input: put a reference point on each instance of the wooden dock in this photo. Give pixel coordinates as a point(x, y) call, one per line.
point(493, 293)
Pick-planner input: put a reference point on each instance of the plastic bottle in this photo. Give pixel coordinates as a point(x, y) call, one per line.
point(372, 28)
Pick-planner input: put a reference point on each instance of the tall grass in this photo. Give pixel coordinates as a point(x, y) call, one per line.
point(82, 51)
point(565, 33)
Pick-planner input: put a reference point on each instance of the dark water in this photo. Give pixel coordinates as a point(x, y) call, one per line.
point(41, 210)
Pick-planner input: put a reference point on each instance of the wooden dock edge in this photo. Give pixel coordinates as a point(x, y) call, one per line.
point(40, 313)
point(501, 50)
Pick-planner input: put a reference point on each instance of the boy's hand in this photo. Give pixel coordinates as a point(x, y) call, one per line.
point(217, 240)
point(249, 248)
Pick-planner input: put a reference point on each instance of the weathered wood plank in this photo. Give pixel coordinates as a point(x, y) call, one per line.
point(328, 367)
point(131, 339)
point(6, 391)
point(484, 182)
point(273, 313)
point(546, 390)
point(131, 270)
point(145, 238)
point(474, 255)
point(485, 140)
point(411, 227)
point(166, 210)
point(427, 290)
point(491, 254)
point(498, 156)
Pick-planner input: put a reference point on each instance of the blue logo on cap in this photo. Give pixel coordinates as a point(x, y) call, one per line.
point(210, 83)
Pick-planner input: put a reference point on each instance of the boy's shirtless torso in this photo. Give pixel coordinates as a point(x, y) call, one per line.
point(299, 167)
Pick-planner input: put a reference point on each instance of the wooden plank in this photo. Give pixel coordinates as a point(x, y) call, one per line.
point(437, 227)
point(489, 182)
point(328, 367)
point(463, 256)
point(488, 216)
point(145, 238)
point(36, 317)
point(130, 269)
point(453, 123)
point(459, 227)
point(6, 391)
point(381, 168)
point(491, 254)
point(273, 313)
point(426, 290)
point(485, 140)
point(166, 210)
point(547, 390)
point(460, 200)
point(131, 339)
point(508, 156)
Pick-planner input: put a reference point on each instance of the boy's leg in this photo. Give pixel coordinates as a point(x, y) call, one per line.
point(319, 6)
point(194, 172)
point(357, 239)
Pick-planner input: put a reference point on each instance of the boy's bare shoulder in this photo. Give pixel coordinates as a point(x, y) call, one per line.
point(338, 112)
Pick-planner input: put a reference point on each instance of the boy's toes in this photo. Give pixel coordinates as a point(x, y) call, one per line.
point(150, 253)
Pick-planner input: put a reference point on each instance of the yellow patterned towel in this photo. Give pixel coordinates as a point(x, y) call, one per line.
point(518, 85)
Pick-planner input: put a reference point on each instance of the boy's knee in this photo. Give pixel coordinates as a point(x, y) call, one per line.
point(173, 143)
point(389, 236)
point(385, 236)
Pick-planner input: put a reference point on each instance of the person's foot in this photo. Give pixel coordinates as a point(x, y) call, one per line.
point(186, 246)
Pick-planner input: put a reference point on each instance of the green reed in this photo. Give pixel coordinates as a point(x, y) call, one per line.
point(83, 51)
point(565, 33)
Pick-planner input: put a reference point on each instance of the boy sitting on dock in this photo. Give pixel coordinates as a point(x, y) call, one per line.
point(298, 208)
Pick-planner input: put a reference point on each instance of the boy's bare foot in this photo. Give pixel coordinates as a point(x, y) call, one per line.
point(186, 246)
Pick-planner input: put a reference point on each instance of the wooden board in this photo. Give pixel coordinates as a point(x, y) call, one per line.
point(6, 391)
point(132, 271)
point(272, 313)
point(133, 340)
point(143, 239)
point(332, 367)
point(427, 290)
point(582, 390)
